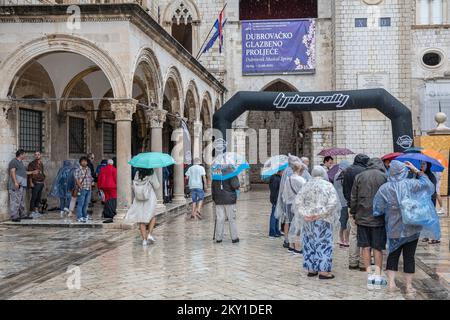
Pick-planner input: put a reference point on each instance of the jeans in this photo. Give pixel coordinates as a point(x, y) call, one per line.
point(36, 194)
point(64, 202)
point(222, 212)
point(274, 224)
point(83, 202)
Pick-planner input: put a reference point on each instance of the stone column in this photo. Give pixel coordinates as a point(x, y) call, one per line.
point(123, 110)
point(156, 118)
point(7, 152)
point(197, 150)
point(178, 172)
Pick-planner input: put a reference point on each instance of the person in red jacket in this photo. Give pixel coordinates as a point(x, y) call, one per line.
point(107, 181)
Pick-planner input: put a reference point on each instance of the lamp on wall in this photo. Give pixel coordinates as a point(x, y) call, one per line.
point(277, 115)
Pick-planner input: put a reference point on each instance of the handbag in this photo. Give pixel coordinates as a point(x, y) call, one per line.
point(418, 212)
point(76, 190)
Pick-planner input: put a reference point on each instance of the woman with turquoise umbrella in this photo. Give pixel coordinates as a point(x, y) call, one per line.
point(145, 182)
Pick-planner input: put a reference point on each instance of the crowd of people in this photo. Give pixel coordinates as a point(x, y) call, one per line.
point(72, 186)
point(357, 206)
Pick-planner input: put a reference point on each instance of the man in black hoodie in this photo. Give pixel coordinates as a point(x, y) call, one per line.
point(358, 166)
point(371, 233)
point(224, 194)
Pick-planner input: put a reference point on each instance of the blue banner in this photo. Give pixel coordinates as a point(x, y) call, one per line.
point(278, 46)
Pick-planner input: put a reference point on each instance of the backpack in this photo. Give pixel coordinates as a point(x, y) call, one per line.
point(142, 190)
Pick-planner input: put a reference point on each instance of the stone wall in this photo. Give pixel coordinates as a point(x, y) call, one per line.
point(376, 50)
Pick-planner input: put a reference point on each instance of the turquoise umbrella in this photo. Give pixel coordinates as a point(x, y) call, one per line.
point(152, 160)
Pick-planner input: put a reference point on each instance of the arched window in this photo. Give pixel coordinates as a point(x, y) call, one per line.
point(181, 21)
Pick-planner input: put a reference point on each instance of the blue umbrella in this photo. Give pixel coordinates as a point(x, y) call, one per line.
point(228, 165)
point(273, 165)
point(152, 160)
point(416, 158)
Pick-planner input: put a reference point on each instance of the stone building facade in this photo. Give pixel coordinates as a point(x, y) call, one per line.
point(142, 58)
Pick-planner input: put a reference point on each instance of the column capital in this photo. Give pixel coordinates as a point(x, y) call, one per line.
point(5, 106)
point(123, 109)
point(156, 117)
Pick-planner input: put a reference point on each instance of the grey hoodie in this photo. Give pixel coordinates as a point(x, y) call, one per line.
point(365, 187)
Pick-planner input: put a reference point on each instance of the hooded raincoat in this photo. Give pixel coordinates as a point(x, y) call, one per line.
point(388, 201)
point(317, 200)
point(64, 181)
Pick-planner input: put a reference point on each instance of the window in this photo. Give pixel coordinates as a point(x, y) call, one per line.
point(77, 135)
point(432, 59)
point(30, 130)
point(277, 9)
point(430, 12)
point(182, 26)
point(109, 138)
point(385, 22)
point(361, 22)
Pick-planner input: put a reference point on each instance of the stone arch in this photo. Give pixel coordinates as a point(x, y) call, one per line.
point(12, 65)
point(174, 87)
point(207, 103)
point(192, 88)
point(183, 12)
point(152, 72)
point(190, 5)
point(280, 82)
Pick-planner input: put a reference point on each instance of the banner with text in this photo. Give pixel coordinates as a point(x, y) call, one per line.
point(278, 46)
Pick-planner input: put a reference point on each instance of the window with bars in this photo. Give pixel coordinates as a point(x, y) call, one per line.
point(109, 138)
point(77, 135)
point(30, 130)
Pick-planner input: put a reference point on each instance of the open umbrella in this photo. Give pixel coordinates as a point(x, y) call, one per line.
point(152, 160)
point(228, 165)
point(416, 158)
point(391, 156)
point(273, 165)
point(335, 152)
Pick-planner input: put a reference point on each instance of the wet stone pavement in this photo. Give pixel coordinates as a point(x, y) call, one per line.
point(184, 263)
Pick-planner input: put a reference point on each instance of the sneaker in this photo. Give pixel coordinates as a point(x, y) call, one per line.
point(441, 212)
point(81, 220)
point(144, 242)
point(27, 218)
point(61, 213)
point(285, 245)
point(379, 282)
point(235, 240)
point(218, 241)
point(89, 217)
point(66, 210)
point(151, 238)
point(15, 220)
point(371, 282)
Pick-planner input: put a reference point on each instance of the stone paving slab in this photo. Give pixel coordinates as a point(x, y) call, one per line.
point(184, 263)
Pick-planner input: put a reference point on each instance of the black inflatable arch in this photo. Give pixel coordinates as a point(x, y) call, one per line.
point(380, 99)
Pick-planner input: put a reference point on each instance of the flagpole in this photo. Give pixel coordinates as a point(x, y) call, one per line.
point(199, 54)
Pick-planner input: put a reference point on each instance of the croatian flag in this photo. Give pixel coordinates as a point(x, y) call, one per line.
point(218, 25)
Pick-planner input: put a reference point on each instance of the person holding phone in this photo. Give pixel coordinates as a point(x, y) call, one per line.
point(17, 185)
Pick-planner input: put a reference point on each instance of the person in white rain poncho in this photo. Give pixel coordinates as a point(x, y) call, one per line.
point(317, 209)
point(398, 199)
point(142, 211)
point(289, 188)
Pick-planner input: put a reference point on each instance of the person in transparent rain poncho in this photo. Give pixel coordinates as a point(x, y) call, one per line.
point(317, 209)
point(286, 197)
point(393, 198)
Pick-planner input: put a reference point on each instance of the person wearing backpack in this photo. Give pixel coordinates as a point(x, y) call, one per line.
point(142, 210)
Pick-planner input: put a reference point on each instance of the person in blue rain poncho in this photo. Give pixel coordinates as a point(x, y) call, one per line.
point(63, 185)
point(392, 201)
